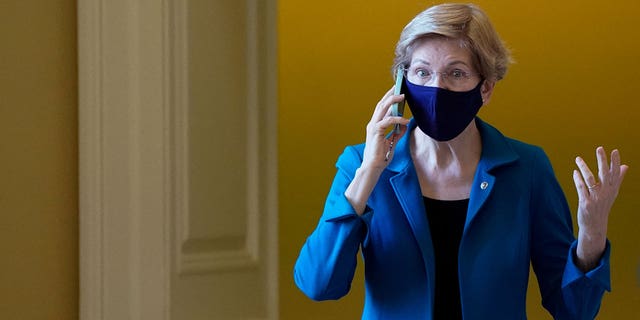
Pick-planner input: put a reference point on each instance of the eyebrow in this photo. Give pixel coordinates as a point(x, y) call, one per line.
point(452, 63)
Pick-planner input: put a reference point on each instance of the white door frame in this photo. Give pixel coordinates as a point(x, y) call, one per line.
point(130, 103)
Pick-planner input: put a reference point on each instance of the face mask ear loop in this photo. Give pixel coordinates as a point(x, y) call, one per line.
point(482, 82)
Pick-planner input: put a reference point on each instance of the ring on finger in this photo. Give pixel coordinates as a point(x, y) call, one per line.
point(593, 186)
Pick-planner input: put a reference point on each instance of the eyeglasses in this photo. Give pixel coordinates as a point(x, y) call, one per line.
point(454, 77)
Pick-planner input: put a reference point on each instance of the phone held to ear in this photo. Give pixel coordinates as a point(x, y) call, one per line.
point(397, 109)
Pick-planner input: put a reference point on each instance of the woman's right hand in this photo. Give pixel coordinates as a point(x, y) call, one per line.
point(379, 147)
point(378, 150)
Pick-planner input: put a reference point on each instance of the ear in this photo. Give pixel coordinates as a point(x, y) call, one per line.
point(486, 90)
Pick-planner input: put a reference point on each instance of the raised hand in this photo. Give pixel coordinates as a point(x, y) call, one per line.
point(596, 196)
point(378, 150)
point(379, 147)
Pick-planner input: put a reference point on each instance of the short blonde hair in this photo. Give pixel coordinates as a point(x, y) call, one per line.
point(464, 22)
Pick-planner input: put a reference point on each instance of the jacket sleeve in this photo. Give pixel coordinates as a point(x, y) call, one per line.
point(327, 261)
point(567, 292)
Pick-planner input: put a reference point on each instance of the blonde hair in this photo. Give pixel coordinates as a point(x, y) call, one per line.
point(464, 22)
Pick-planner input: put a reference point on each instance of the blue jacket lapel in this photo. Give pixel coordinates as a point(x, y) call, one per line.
point(407, 190)
point(496, 152)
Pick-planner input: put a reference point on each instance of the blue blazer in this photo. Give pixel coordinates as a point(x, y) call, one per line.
point(517, 217)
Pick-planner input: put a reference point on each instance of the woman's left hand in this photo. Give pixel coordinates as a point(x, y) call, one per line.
point(596, 196)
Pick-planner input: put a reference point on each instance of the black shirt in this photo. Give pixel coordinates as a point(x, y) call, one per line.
point(446, 223)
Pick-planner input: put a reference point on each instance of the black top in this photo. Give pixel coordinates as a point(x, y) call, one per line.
point(446, 222)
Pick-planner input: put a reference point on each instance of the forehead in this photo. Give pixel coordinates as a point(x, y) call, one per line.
point(440, 51)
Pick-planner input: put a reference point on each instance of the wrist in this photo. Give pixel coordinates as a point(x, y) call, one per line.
point(369, 172)
point(592, 237)
point(361, 186)
point(590, 248)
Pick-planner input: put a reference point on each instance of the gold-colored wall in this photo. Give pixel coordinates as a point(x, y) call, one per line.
point(574, 87)
point(38, 160)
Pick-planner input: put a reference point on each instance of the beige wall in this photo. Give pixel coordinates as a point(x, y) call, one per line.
point(574, 87)
point(38, 152)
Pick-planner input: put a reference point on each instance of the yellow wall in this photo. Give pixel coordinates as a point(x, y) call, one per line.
point(574, 87)
point(38, 152)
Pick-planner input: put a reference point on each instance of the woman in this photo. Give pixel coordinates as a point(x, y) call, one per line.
point(448, 212)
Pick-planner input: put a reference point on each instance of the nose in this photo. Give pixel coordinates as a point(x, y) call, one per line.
point(437, 80)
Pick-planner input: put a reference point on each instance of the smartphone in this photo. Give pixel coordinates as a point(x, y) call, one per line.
point(397, 109)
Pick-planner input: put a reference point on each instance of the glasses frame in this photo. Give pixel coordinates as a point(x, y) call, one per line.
point(445, 76)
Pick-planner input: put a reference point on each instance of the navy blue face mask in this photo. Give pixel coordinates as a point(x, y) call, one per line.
point(440, 113)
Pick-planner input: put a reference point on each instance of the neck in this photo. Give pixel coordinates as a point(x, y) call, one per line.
point(460, 153)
